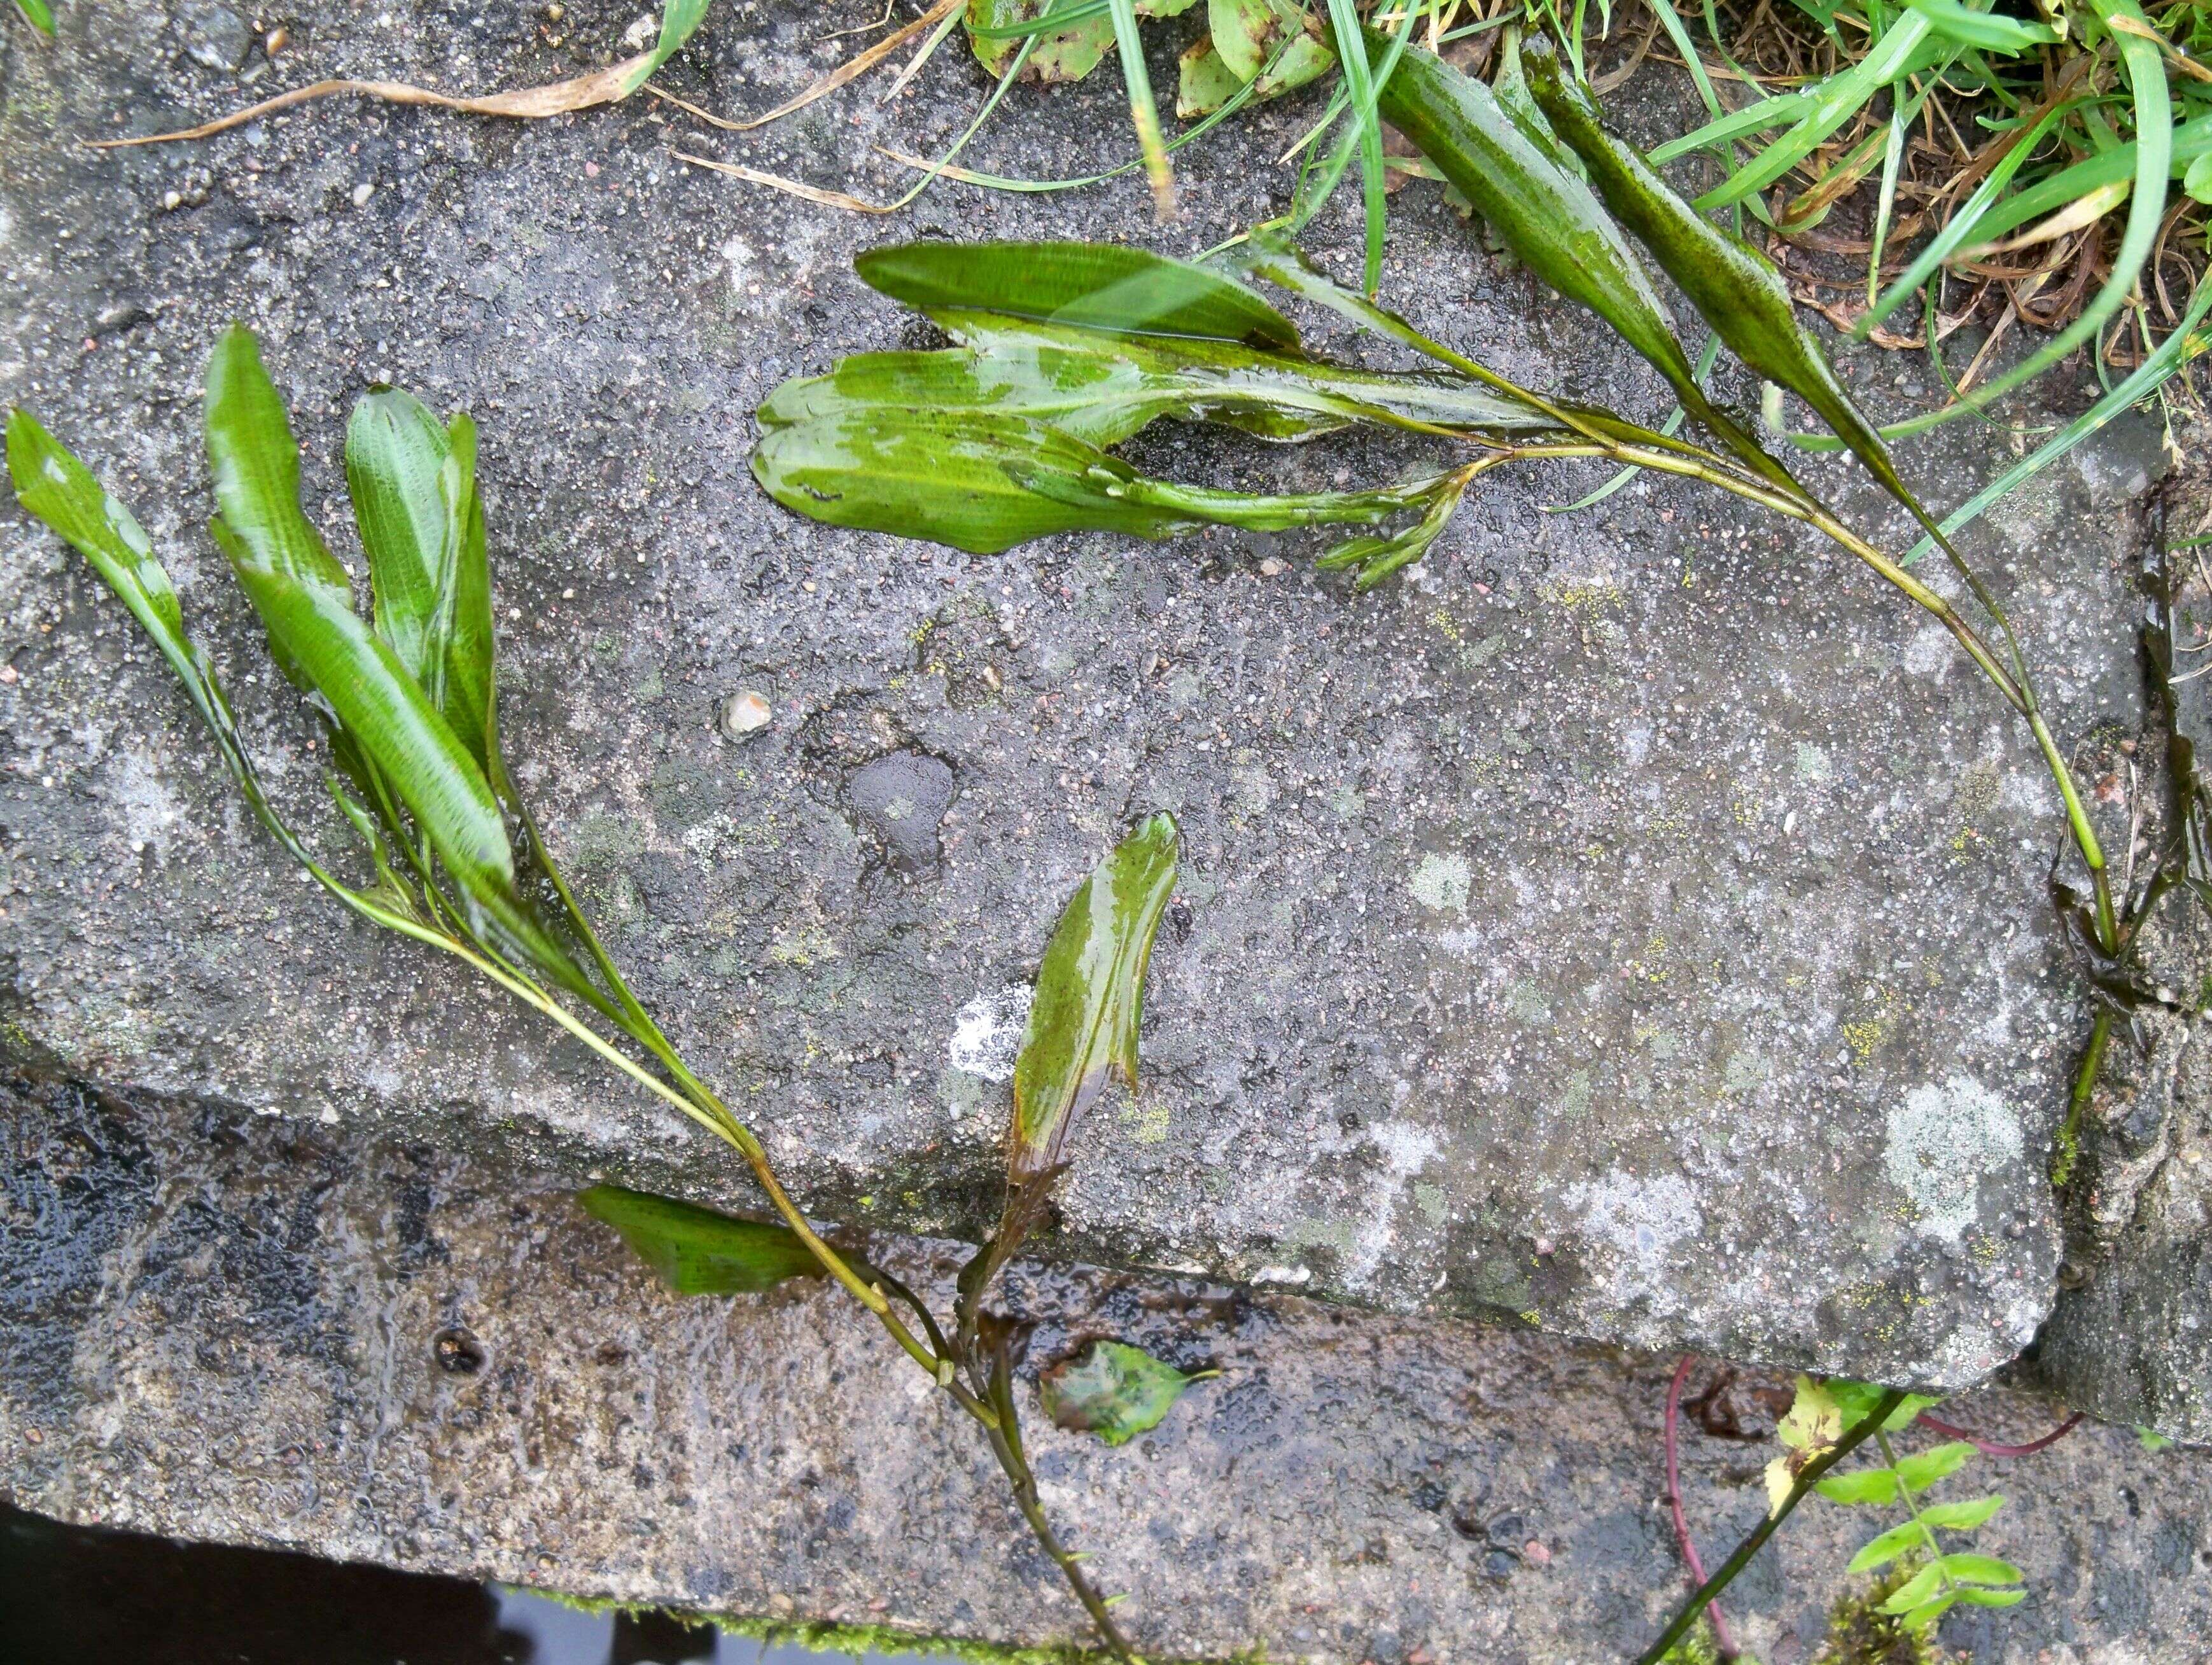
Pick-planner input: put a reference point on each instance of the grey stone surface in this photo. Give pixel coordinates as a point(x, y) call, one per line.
point(1633, 920)
point(253, 1329)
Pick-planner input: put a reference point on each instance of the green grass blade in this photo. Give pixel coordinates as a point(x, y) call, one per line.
point(36, 13)
point(1761, 117)
point(1961, 224)
point(1838, 99)
point(1359, 84)
point(1050, 22)
point(679, 21)
point(2153, 164)
point(2180, 348)
point(1144, 109)
point(52, 484)
point(1983, 30)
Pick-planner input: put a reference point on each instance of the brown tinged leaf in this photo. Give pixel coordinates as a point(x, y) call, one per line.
point(532, 104)
point(1113, 1390)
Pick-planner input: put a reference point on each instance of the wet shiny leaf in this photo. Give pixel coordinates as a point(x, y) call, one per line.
point(1111, 1389)
point(697, 1251)
point(53, 485)
point(415, 500)
point(1103, 389)
point(1733, 285)
point(1084, 1021)
point(985, 483)
point(307, 607)
point(1098, 286)
point(1547, 216)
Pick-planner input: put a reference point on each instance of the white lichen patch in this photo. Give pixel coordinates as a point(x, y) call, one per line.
point(1640, 1219)
point(1943, 1141)
point(150, 811)
point(986, 1034)
point(1441, 884)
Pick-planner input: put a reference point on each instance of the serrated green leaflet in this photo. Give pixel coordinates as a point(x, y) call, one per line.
point(1098, 286)
point(1084, 1020)
point(1865, 1486)
point(1968, 1568)
point(1924, 1469)
point(1881, 1550)
point(697, 1251)
point(1962, 1516)
point(1111, 1389)
point(414, 489)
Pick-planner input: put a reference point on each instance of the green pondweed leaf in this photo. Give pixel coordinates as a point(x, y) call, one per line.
point(1546, 215)
point(1096, 286)
point(1089, 1004)
point(984, 484)
point(697, 1251)
point(36, 13)
point(53, 485)
point(1066, 50)
point(376, 706)
point(414, 488)
point(1113, 1390)
point(1924, 1469)
point(1210, 81)
point(1102, 389)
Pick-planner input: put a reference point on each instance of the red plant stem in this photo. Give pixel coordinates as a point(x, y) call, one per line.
point(1989, 1449)
point(1696, 1568)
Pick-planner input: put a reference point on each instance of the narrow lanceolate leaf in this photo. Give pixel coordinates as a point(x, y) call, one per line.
point(679, 21)
point(1102, 389)
point(1098, 286)
point(984, 484)
point(413, 483)
point(1547, 216)
point(1113, 1390)
point(697, 1251)
point(1084, 1021)
point(1734, 287)
point(36, 13)
point(52, 484)
point(307, 607)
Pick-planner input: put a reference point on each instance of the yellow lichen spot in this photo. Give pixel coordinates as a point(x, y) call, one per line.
point(1147, 1123)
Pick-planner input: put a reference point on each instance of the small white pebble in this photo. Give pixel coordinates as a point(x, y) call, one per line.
point(173, 200)
point(362, 193)
point(745, 713)
point(1270, 567)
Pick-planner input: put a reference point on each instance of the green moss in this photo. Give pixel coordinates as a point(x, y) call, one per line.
point(1859, 1633)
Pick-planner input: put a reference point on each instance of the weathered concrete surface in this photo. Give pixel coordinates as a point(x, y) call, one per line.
point(1635, 920)
point(246, 1329)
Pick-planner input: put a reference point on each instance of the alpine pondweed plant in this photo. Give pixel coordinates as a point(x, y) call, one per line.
point(406, 697)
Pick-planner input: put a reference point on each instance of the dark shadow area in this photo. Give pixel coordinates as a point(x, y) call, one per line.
point(125, 1598)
